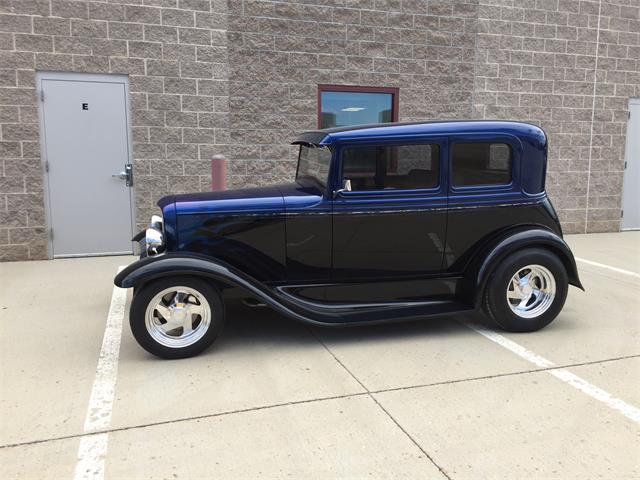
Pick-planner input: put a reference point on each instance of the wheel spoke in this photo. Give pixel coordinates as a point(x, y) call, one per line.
point(524, 301)
point(169, 326)
point(180, 297)
point(196, 310)
point(514, 294)
point(515, 282)
point(187, 326)
point(164, 311)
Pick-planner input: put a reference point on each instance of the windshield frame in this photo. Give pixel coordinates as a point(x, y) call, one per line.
point(322, 183)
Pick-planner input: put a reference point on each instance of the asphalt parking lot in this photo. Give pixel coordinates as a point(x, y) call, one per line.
point(452, 398)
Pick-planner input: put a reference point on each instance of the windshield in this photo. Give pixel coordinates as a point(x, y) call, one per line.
point(314, 163)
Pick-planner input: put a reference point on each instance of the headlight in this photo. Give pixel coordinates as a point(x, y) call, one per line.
point(154, 241)
point(156, 222)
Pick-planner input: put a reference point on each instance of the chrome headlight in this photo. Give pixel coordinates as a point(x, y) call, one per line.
point(154, 241)
point(156, 222)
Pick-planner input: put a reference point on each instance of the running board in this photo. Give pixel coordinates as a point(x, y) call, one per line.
point(380, 312)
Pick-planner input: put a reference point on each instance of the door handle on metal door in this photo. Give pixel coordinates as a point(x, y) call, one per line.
point(126, 175)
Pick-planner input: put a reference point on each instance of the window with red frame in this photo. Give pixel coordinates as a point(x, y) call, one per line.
point(340, 105)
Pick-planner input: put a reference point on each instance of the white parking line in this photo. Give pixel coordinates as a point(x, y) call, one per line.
point(608, 267)
point(93, 448)
point(566, 376)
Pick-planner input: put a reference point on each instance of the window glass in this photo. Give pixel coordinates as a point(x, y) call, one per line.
point(314, 163)
point(401, 167)
point(338, 109)
point(481, 163)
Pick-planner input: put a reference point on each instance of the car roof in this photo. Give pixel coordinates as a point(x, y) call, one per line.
point(328, 136)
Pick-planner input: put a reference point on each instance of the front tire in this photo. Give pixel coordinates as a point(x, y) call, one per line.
point(526, 291)
point(176, 317)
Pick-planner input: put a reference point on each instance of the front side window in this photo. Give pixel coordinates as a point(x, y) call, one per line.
point(340, 106)
point(399, 167)
point(314, 163)
point(481, 163)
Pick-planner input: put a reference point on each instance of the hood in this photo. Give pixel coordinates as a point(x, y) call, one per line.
point(272, 198)
point(227, 201)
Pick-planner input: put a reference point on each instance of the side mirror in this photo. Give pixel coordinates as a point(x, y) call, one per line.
point(346, 187)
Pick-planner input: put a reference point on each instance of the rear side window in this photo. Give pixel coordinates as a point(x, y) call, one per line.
point(481, 163)
point(400, 167)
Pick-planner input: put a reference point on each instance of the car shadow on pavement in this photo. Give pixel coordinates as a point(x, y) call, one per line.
point(250, 326)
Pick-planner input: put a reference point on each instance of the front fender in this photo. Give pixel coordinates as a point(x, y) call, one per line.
point(171, 264)
point(479, 271)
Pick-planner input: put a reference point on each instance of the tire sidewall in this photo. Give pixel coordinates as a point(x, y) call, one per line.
point(496, 302)
point(145, 294)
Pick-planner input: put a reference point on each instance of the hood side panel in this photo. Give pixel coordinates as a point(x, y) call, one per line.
point(261, 199)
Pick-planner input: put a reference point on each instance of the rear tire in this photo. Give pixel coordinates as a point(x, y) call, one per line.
point(526, 291)
point(176, 317)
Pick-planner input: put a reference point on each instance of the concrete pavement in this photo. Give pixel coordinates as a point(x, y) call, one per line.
point(275, 399)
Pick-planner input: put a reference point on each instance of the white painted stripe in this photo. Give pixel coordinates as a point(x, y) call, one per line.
point(513, 346)
point(608, 267)
point(566, 376)
point(93, 448)
point(91, 456)
point(572, 379)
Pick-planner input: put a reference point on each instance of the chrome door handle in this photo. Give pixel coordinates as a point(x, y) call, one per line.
point(126, 175)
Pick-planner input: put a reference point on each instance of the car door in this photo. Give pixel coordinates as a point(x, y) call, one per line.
point(392, 223)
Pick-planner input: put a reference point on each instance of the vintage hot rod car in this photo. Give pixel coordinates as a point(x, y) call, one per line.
point(383, 223)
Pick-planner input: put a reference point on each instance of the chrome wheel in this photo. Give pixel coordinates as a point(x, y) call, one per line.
point(178, 317)
point(531, 291)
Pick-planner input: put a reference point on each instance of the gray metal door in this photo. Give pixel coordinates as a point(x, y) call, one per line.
point(85, 137)
point(631, 185)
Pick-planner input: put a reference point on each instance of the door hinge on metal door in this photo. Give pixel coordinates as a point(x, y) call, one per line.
point(46, 166)
point(42, 95)
point(621, 213)
point(51, 233)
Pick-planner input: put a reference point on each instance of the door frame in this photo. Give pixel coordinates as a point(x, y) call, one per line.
point(80, 77)
point(392, 200)
point(627, 158)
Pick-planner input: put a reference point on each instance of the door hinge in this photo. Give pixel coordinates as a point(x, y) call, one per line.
point(46, 166)
point(51, 233)
point(42, 95)
point(621, 213)
point(625, 165)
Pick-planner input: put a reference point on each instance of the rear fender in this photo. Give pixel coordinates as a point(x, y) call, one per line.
point(484, 263)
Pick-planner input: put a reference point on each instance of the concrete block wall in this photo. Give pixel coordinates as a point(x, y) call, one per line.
point(280, 51)
point(569, 66)
point(175, 53)
point(239, 78)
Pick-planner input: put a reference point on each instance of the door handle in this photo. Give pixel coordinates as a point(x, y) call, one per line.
point(127, 175)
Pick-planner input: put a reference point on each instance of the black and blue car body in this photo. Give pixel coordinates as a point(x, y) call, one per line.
point(383, 223)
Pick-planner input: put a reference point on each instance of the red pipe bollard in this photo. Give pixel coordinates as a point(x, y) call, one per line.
point(218, 172)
